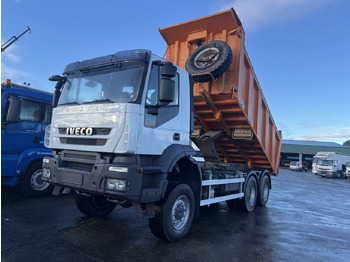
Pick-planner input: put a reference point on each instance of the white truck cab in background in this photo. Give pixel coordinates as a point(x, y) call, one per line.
point(331, 164)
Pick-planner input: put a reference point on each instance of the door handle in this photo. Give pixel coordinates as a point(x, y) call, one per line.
point(176, 137)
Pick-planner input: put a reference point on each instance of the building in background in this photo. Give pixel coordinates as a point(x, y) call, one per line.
point(304, 151)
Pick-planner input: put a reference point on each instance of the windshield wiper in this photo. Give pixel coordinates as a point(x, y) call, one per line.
point(69, 103)
point(99, 101)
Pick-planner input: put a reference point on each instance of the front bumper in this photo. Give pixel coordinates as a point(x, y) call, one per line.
point(325, 173)
point(89, 173)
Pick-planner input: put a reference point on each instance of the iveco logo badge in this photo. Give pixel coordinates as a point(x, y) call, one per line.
point(79, 131)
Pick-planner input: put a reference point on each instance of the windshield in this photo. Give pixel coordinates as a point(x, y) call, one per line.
point(315, 160)
point(325, 162)
point(293, 163)
point(348, 164)
point(117, 83)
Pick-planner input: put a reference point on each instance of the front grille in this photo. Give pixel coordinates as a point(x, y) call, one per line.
point(79, 166)
point(83, 141)
point(101, 131)
point(80, 156)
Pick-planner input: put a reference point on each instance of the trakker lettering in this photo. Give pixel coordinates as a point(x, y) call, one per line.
point(79, 131)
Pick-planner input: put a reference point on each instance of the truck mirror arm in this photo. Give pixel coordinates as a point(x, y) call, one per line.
point(60, 81)
point(152, 110)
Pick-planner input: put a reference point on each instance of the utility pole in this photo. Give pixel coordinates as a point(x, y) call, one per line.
point(13, 39)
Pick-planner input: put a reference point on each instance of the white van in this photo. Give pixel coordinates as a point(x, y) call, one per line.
point(295, 166)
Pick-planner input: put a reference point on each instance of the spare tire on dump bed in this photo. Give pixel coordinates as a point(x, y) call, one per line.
point(209, 61)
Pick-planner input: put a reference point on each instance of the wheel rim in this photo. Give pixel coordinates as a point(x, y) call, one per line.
point(37, 183)
point(266, 192)
point(207, 57)
point(180, 213)
point(252, 195)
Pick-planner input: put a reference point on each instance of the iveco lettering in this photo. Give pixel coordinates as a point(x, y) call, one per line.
point(79, 131)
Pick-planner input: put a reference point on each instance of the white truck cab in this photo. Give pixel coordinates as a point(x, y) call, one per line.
point(331, 164)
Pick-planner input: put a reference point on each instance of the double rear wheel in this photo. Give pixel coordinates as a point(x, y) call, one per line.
point(254, 194)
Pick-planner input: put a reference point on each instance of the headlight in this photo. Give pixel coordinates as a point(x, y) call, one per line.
point(118, 169)
point(116, 184)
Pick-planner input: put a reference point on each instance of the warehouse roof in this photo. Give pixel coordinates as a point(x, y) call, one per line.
point(310, 143)
point(312, 147)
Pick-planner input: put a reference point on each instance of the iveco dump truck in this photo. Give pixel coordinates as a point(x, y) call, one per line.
point(123, 125)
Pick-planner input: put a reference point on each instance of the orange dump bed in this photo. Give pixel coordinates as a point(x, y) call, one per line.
point(233, 102)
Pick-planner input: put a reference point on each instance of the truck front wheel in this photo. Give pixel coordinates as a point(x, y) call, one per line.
point(94, 205)
point(31, 184)
point(174, 214)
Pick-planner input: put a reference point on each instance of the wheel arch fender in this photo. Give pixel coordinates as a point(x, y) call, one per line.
point(252, 173)
point(190, 174)
point(180, 167)
point(265, 173)
point(172, 154)
point(29, 157)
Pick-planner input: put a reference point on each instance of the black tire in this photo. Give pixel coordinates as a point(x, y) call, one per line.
point(31, 184)
point(264, 191)
point(248, 202)
point(174, 214)
point(94, 205)
point(211, 59)
point(340, 174)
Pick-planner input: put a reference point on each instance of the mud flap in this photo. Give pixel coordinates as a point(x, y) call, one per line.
point(57, 190)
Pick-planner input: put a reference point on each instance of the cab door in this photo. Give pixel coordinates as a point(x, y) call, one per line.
point(22, 131)
point(163, 125)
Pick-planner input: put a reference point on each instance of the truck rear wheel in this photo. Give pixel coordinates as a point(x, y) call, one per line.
point(174, 214)
point(209, 61)
point(248, 202)
point(94, 205)
point(31, 184)
point(264, 191)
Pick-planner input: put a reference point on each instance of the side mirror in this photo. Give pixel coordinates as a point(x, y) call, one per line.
point(55, 78)
point(335, 163)
point(167, 85)
point(13, 110)
point(61, 80)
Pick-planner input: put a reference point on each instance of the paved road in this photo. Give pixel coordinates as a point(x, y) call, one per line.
point(307, 219)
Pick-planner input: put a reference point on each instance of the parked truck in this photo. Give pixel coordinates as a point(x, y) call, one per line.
point(331, 164)
point(123, 125)
point(25, 114)
point(314, 163)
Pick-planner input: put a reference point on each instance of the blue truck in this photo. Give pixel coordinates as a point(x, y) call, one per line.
point(25, 113)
